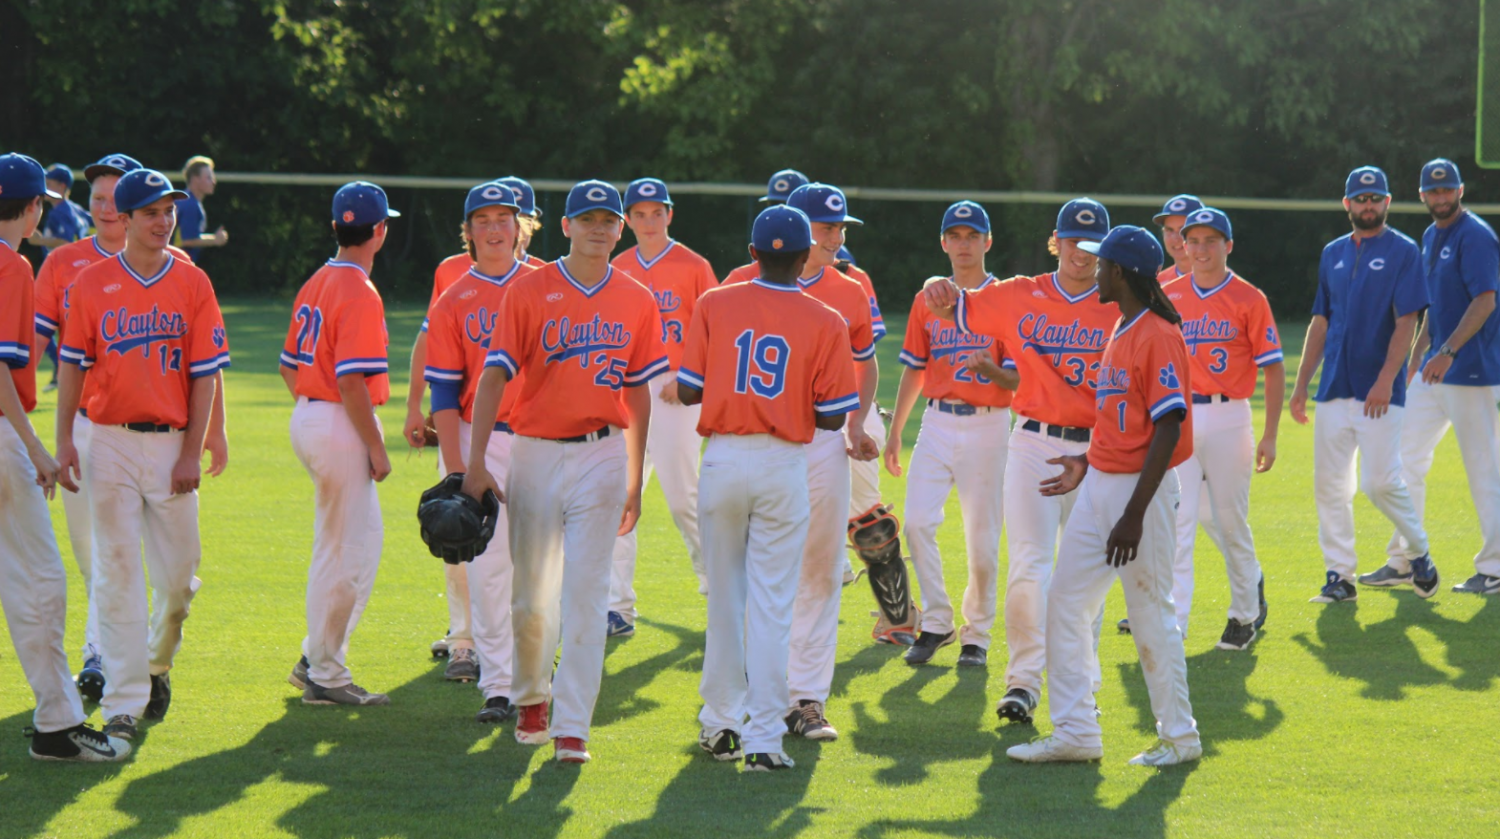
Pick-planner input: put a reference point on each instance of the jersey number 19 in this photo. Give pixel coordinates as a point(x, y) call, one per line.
point(769, 354)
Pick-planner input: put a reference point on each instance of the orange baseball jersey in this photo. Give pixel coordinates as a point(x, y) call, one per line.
point(677, 277)
point(1144, 376)
point(836, 291)
point(574, 348)
point(772, 360)
point(1056, 339)
point(59, 270)
point(877, 321)
point(1229, 331)
point(143, 339)
point(534, 261)
point(17, 326)
point(939, 349)
point(460, 328)
point(338, 329)
point(447, 273)
point(1167, 274)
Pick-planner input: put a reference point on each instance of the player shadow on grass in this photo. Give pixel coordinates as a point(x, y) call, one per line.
point(36, 791)
point(620, 693)
point(1382, 655)
point(912, 747)
point(421, 767)
point(1218, 686)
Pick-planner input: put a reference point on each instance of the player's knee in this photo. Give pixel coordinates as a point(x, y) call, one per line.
point(1382, 487)
point(922, 524)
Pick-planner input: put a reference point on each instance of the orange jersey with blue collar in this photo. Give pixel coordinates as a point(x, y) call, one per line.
point(877, 320)
point(1168, 274)
point(571, 350)
point(1145, 375)
point(534, 261)
point(17, 324)
point(61, 267)
point(338, 329)
point(1229, 331)
point(142, 340)
point(938, 349)
point(772, 360)
point(677, 277)
point(446, 274)
point(460, 330)
point(836, 291)
point(1056, 340)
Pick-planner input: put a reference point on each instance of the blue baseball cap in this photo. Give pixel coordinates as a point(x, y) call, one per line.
point(61, 173)
point(781, 229)
point(1441, 173)
point(361, 202)
point(782, 185)
point(646, 189)
point(822, 202)
point(1130, 247)
point(142, 187)
point(1083, 218)
point(525, 195)
point(1209, 217)
point(1178, 205)
point(492, 194)
point(22, 177)
point(593, 195)
point(110, 164)
point(966, 214)
point(1366, 179)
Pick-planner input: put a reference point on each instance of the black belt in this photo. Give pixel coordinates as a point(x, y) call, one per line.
point(958, 409)
point(585, 438)
point(1072, 435)
point(148, 427)
point(503, 426)
point(1209, 398)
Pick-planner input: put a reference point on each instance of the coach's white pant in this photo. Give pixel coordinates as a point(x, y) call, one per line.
point(967, 452)
point(815, 610)
point(1218, 472)
point(1430, 410)
point(347, 534)
point(1078, 590)
point(460, 634)
point(565, 502)
point(488, 578)
point(34, 588)
point(672, 446)
point(864, 475)
point(130, 495)
point(752, 505)
point(1340, 429)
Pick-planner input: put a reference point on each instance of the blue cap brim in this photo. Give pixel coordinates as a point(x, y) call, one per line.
point(467, 215)
point(1156, 219)
point(389, 213)
point(645, 200)
point(1091, 246)
point(1443, 185)
point(611, 210)
point(1090, 235)
point(51, 194)
point(1370, 190)
point(954, 224)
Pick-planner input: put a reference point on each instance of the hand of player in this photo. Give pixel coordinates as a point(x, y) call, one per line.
point(69, 472)
point(981, 362)
point(1434, 371)
point(221, 235)
point(186, 473)
point(1298, 405)
point(476, 481)
point(1123, 541)
point(1265, 454)
point(861, 445)
point(892, 454)
point(1074, 466)
point(48, 471)
point(380, 464)
point(1378, 400)
point(412, 430)
point(631, 514)
point(217, 446)
point(940, 294)
point(669, 390)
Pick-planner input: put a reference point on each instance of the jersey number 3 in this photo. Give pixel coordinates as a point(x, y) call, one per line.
point(769, 354)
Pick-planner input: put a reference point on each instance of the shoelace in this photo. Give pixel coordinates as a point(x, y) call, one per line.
point(812, 715)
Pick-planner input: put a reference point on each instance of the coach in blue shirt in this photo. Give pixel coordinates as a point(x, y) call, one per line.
point(192, 222)
point(66, 221)
point(1370, 293)
point(1458, 365)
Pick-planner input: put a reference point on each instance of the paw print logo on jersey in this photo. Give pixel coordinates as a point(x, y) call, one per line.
point(219, 337)
point(834, 203)
point(1168, 377)
point(1086, 217)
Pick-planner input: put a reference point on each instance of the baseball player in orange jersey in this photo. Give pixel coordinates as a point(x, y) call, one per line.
point(968, 383)
point(334, 364)
point(145, 327)
point(1230, 336)
point(582, 339)
point(1055, 327)
point(531, 219)
point(775, 366)
point(1127, 492)
point(677, 277)
point(33, 585)
point(54, 284)
point(460, 327)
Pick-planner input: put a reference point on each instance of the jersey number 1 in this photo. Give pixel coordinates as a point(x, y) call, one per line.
point(769, 354)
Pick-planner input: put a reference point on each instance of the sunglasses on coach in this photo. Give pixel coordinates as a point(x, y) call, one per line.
point(1368, 198)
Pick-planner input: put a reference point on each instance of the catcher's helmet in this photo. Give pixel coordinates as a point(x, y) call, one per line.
point(455, 527)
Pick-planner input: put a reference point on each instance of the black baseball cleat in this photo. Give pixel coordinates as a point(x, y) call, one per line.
point(1016, 705)
point(496, 709)
point(79, 743)
point(161, 697)
point(1123, 626)
point(1265, 609)
point(972, 655)
point(1479, 584)
point(1336, 590)
point(1424, 576)
point(767, 762)
point(91, 679)
point(926, 647)
point(1237, 636)
point(721, 745)
point(121, 727)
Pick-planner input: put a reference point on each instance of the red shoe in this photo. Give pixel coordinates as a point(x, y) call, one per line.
point(531, 725)
point(571, 750)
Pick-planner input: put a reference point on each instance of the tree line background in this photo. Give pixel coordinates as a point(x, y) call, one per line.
point(1271, 98)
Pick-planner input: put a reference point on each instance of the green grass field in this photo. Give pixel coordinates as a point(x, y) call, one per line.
point(1372, 719)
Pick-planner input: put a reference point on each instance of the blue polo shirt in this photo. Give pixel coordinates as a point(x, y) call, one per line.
point(66, 221)
point(190, 223)
point(1462, 261)
point(1362, 289)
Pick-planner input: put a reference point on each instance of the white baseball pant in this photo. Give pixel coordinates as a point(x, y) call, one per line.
point(1471, 411)
point(564, 502)
point(1218, 473)
point(864, 475)
point(131, 502)
point(1078, 590)
point(672, 447)
point(815, 609)
point(489, 575)
point(34, 588)
point(460, 634)
point(967, 452)
point(348, 534)
point(1341, 429)
point(752, 505)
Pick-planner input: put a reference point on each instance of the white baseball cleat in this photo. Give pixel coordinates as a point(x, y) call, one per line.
point(1053, 750)
point(1167, 754)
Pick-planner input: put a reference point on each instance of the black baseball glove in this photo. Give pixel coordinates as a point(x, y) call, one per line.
point(455, 527)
